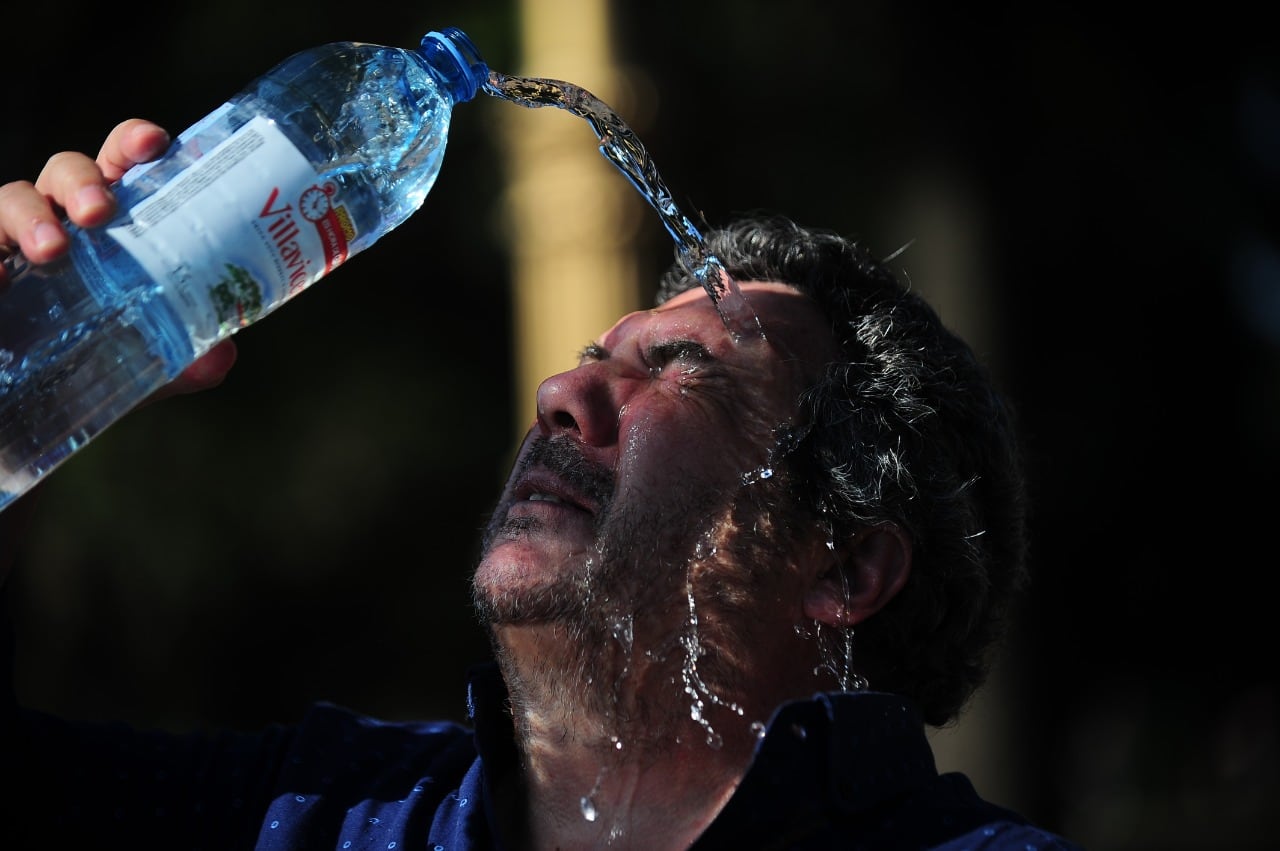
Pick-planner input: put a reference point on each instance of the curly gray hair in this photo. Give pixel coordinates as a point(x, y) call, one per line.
point(907, 428)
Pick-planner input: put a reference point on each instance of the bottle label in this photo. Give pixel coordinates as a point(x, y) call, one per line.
point(240, 230)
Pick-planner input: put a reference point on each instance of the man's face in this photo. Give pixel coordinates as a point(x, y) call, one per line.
point(631, 480)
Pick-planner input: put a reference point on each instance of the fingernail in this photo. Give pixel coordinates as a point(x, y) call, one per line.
point(92, 199)
point(48, 236)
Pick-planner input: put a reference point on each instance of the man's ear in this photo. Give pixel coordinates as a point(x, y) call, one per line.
point(868, 573)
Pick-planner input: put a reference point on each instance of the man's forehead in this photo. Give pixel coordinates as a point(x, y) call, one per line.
point(787, 317)
point(693, 308)
point(791, 322)
point(698, 295)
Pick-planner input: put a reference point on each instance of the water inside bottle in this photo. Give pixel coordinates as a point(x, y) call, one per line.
point(622, 147)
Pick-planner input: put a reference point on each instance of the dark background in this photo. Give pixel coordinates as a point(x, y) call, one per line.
point(306, 530)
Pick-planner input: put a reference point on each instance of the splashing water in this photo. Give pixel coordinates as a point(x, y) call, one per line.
point(835, 646)
point(620, 146)
point(623, 630)
point(694, 685)
point(786, 439)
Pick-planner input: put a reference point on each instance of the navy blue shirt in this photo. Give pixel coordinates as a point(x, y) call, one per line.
point(848, 770)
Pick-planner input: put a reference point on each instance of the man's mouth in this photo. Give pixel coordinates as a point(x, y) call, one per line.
point(556, 475)
point(543, 486)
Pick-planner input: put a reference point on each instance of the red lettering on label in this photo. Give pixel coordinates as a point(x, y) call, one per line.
point(283, 231)
point(271, 199)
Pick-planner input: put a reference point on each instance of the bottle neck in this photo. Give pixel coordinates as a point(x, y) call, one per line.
point(457, 63)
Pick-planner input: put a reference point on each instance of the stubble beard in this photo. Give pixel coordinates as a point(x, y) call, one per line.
point(621, 600)
point(560, 595)
point(660, 603)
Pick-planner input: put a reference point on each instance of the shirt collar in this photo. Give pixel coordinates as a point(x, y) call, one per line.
point(854, 752)
point(857, 751)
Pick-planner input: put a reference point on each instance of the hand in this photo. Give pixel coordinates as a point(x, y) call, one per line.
point(80, 187)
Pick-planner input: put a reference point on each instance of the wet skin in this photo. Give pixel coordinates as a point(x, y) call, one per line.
point(662, 417)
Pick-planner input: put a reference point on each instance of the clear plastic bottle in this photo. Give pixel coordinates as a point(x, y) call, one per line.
point(304, 168)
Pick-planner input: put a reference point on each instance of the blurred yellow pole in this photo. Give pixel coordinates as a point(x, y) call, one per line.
point(943, 214)
point(571, 214)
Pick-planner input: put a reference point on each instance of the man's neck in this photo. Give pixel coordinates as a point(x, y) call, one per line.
point(616, 750)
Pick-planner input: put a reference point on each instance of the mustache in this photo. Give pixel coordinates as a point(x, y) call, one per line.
point(562, 456)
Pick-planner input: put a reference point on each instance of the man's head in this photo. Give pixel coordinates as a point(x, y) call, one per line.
point(904, 428)
point(707, 502)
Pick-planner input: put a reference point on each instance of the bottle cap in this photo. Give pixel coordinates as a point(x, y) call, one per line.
point(456, 61)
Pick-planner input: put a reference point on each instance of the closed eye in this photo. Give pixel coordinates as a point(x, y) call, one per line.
point(661, 354)
point(591, 353)
point(656, 357)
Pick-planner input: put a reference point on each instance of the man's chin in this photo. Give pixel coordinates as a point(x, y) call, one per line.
point(527, 606)
point(513, 586)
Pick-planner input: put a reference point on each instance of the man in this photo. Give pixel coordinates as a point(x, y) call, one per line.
point(736, 568)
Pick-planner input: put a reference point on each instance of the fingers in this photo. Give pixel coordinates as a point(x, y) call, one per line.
point(79, 187)
point(28, 222)
point(131, 142)
point(208, 370)
point(204, 373)
point(75, 185)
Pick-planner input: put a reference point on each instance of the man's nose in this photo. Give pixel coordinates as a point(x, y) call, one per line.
point(579, 403)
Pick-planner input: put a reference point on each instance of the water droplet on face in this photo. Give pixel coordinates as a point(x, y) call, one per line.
point(588, 808)
point(757, 475)
point(805, 631)
point(622, 631)
point(757, 728)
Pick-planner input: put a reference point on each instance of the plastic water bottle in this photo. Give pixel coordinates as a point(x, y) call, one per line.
point(307, 166)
